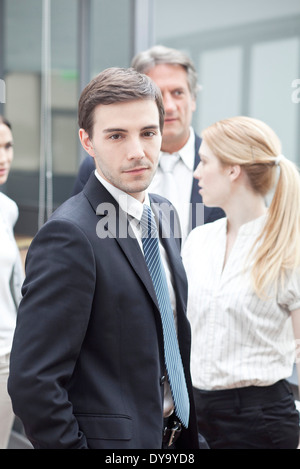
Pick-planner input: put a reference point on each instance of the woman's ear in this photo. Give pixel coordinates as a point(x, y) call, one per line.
point(234, 171)
point(86, 142)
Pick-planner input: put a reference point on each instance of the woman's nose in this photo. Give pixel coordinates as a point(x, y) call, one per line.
point(197, 172)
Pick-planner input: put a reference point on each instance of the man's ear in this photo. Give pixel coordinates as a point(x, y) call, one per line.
point(86, 142)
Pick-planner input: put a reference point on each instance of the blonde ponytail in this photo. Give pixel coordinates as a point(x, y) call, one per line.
point(278, 248)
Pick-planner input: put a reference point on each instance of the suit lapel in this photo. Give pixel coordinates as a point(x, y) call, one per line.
point(195, 196)
point(133, 252)
point(117, 225)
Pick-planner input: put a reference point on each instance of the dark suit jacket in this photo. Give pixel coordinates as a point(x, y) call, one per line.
point(197, 216)
point(87, 361)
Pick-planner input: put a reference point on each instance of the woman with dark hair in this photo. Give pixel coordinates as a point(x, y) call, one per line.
point(11, 276)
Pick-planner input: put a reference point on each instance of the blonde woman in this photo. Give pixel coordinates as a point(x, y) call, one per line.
point(11, 276)
point(244, 289)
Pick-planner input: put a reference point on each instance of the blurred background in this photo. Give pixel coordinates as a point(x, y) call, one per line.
point(247, 55)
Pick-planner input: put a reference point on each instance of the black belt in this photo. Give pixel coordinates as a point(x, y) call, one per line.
point(245, 397)
point(171, 431)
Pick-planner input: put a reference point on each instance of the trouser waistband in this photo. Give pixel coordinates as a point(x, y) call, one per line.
point(245, 397)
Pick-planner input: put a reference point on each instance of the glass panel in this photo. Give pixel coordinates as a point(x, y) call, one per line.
point(271, 89)
point(23, 30)
point(23, 78)
point(65, 135)
point(23, 110)
point(64, 119)
point(111, 34)
point(176, 19)
point(221, 79)
point(247, 55)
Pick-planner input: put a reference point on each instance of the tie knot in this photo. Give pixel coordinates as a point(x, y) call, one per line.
point(148, 225)
point(168, 162)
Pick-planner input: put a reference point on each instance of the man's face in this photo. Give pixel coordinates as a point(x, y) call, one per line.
point(125, 144)
point(178, 102)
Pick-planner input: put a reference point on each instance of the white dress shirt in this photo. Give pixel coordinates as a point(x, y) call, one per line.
point(134, 208)
point(238, 339)
point(180, 192)
point(9, 258)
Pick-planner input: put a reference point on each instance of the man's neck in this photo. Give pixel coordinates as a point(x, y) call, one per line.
point(171, 144)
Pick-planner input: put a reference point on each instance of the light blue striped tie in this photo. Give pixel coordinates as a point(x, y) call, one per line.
point(172, 354)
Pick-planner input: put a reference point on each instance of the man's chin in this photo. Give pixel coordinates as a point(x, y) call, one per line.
point(169, 132)
point(137, 188)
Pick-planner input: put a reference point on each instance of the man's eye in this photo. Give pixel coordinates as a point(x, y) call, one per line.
point(178, 92)
point(8, 146)
point(149, 134)
point(115, 137)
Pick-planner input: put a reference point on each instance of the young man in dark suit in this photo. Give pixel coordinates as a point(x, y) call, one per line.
point(175, 74)
point(87, 365)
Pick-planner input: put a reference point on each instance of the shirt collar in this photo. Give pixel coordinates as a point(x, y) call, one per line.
point(187, 152)
point(253, 227)
point(128, 204)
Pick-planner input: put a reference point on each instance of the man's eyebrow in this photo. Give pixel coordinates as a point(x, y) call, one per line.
point(178, 88)
point(107, 131)
point(154, 126)
point(147, 127)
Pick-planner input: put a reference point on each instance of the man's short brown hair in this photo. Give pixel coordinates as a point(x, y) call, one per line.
point(117, 85)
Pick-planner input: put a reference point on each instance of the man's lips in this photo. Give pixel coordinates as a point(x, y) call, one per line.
point(170, 120)
point(136, 170)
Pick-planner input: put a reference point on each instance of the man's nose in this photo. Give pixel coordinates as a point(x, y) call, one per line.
point(135, 149)
point(169, 103)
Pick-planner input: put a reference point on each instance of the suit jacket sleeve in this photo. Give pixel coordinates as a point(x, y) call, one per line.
point(52, 320)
